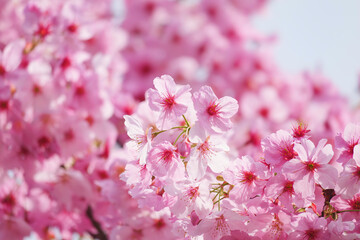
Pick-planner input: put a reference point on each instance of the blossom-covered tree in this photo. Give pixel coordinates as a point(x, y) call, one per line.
point(166, 120)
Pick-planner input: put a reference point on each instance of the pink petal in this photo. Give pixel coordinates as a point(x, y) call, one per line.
point(12, 55)
point(218, 162)
point(303, 154)
point(196, 167)
point(165, 85)
point(340, 142)
point(154, 99)
point(294, 169)
point(305, 186)
point(318, 148)
point(325, 155)
point(352, 132)
point(326, 176)
point(228, 107)
point(183, 93)
point(134, 127)
point(357, 155)
point(220, 124)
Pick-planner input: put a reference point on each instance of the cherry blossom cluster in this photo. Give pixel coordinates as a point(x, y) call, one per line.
point(76, 83)
point(59, 78)
point(181, 164)
point(204, 43)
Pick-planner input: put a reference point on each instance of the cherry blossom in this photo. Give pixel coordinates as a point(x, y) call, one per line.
point(311, 167)
point(166, 120)
point(214, 114)
point(168, 98)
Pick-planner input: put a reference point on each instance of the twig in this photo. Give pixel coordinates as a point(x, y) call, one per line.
point(100, 233)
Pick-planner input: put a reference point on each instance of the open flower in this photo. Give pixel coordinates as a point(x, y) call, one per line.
point(169, 99)
point(248, 178)
point(347, 141)
point(214, 114)
point(164, 160)
point(141, 138)
point(309, 226)
point(278, 148)
point(311, 166)
point(210, 153)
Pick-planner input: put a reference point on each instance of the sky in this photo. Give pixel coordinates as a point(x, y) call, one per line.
point(317, 34)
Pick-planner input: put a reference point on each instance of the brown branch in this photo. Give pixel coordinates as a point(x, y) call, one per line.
point(100, 233)
point(349, 210)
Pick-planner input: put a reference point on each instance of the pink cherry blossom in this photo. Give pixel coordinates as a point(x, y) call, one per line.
point(214, 114)
point(164, 160)
point(309, 226)
point(87, 150)
point(278, 148)
point(278, 188)
point(215, 228)
point(192, 197)
point(141, 137)
point(248, 178)
point(349, 181)
point(352, 204)
point(311, 167)
point(11, 56)
point(168, 98)
point(347, 141)
point(212, 153)
point(14, 228)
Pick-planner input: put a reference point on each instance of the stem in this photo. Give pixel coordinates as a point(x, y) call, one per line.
point(186, 121)
point(218, 201)
point(350, 210)
point(179, 127)
point(157, 133)
point(216, 196)
point(179, 137)
point(100, 233)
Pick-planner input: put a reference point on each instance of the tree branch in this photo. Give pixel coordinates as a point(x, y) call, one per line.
point(100, 233)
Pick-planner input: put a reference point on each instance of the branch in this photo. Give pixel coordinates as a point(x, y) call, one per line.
point(100, 233)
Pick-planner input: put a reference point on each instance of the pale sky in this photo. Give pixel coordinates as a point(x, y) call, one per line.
point(316, 34)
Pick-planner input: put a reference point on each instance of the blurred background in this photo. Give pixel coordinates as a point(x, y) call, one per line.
point(321, 34)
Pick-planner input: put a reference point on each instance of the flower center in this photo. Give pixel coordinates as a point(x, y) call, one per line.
point(204, 148)
point(311, 166)
point(300, 131)
point(159, 223)
point(352, 144)
point(289, 187)
point(72, 28)
point(192, 192)
point(212, 109)
point(287, 152)
point(44, 141)
point(43, 30)
point(169, 102)
point(355, 203)
point(145, 69)
point(311, 234)
point(4, 105)
point(356, 173)
point(167, 156)
point(69, 135)
point(24, 151)
point(9, 200)
point(248, 177)
point(2, 70)
point(264, 112)
point(36, 89)
point(65, 63)
point(80, 91)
